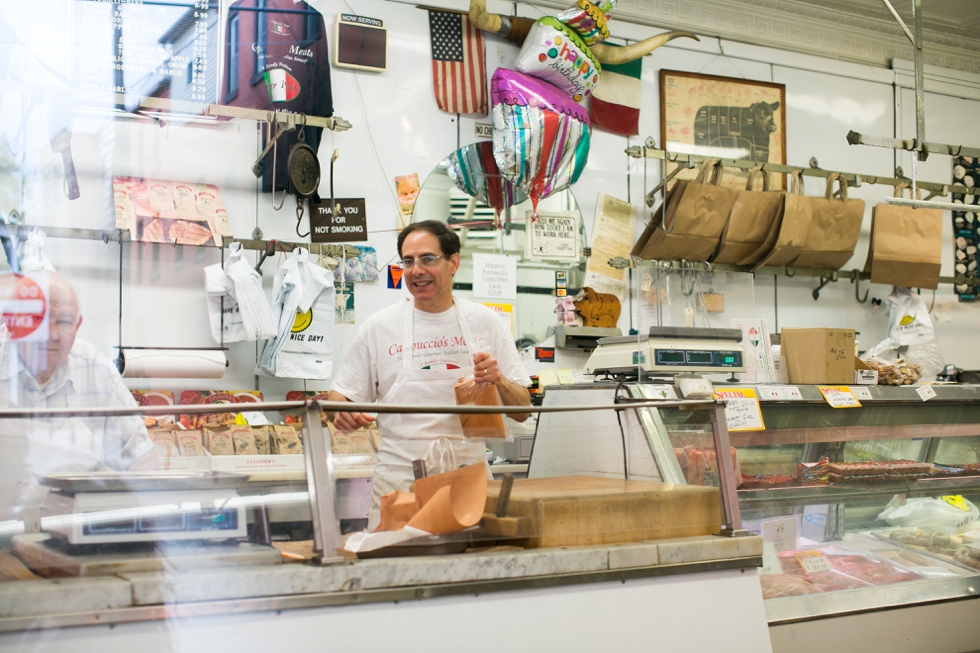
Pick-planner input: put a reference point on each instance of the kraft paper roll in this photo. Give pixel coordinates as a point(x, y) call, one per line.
point(173, 364)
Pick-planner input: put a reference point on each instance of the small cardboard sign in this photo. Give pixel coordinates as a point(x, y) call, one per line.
point(839, 396)
point(813, 562)
point(926, 392)
point(348, 225)
point(742, 412)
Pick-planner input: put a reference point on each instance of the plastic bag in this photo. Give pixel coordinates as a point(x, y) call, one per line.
point(892, 368)
point(908, 318)
point(935, 514)
point(469, 392)
point(928, 357)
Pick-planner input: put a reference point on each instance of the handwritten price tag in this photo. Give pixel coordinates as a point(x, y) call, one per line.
point(742, 412)
point(839, 396)
point(813, 561)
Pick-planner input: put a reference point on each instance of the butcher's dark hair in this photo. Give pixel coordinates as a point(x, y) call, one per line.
point(448, 240)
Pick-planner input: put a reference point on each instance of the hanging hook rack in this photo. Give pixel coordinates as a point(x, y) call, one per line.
point(681, 166)
point(823, 282)
point(856, 280)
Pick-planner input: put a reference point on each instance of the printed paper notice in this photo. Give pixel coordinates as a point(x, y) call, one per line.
point(813, 561)
point(781, 532)
point(494, 276)
point(612, 237)
point(504, 311)
point(780, 393)
point(839, 396)
point(552, 237)
point(742, 412)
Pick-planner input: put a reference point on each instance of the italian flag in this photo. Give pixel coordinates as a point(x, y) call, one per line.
point(615, 103)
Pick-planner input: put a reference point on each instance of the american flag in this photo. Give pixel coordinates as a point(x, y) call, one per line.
point(459, 70)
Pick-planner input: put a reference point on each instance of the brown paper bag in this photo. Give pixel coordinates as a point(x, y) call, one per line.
point(470, 392)
point(751, 222)
point(788, 234)
point(693, 219)
point(644, 248)
point(834, 229)
point(906, 245)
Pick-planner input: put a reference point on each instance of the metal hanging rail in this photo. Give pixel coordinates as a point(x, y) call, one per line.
point(853, 179)
point(823, 274)
point(118, 235)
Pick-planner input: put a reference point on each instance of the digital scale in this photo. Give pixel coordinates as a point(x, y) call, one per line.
point(148, 507)
point(667, 351)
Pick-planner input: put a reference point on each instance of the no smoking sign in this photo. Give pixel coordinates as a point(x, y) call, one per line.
point(24, 307)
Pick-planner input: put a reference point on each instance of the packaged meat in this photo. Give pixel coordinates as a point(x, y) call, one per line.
point(877, 470)
point(190, 443)
point(699, 465)
point(164, 445)
point(766, 482)
point(244, 441)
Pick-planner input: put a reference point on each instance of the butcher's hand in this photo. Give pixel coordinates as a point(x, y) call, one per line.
point(485, 368)
point(348, 422)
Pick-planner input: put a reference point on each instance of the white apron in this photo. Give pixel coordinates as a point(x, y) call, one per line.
point(436, 438)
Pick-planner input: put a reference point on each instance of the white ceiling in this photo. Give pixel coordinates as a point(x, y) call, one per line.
point(948, 16)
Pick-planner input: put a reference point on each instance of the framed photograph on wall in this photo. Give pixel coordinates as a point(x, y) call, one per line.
point(723, 117)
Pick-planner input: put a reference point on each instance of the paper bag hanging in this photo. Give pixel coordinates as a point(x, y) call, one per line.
point(644, 248)
point(788, 236)
point(753, 218)
point(834, 229)
point(693, 219)
point(906, 245)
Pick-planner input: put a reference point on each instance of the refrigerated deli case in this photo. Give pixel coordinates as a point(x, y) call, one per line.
point(589, 555)
point(862, 509)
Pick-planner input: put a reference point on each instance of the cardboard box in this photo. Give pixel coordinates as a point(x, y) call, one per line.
point(818, 356)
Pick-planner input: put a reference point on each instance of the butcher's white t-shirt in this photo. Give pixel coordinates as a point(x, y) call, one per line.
point(374, 358)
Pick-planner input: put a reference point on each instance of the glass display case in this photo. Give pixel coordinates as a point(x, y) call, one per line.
point(254, 511)
point(860, 509)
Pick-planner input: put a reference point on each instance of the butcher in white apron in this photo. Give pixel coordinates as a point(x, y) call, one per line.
point(390, 362)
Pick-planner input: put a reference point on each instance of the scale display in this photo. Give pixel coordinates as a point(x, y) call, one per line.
point(697, 358)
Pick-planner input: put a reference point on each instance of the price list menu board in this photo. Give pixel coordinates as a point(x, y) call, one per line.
point(147, 48)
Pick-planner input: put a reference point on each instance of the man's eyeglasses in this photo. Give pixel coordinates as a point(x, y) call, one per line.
point(424, 261)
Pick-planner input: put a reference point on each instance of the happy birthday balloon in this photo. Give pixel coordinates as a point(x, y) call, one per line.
point(555, 53)
point(474, 171)
point(540, 136)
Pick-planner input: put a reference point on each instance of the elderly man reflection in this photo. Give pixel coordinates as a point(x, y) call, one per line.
point(68, 372)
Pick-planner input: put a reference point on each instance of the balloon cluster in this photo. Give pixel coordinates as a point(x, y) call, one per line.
point(541, 134)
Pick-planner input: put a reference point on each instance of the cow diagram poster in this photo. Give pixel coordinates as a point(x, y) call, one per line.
point(725, 118)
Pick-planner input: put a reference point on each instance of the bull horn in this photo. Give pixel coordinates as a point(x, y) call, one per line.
point(512, 28)
point(607, 54)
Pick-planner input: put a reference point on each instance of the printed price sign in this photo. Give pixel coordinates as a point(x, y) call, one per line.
point(779, 393)
point(839, 396)
point(813, 561)
point(742, 412)
point(926, 392)
point(861, 392)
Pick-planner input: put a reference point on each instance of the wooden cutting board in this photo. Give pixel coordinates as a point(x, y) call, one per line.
point(587, 510)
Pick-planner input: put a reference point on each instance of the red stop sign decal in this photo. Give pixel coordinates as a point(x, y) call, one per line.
point(25, 308)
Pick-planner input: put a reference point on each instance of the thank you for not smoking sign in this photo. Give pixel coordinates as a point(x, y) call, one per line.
point(348, 225)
